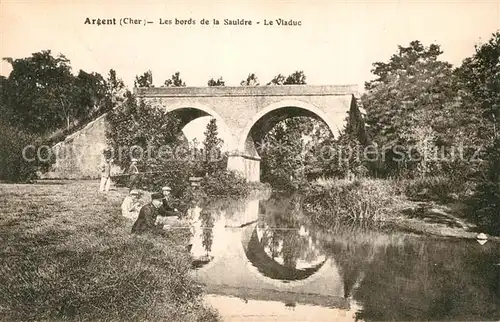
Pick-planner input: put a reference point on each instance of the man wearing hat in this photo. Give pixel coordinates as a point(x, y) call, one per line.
point(146, 222)
point(133, 171)
point(105, 168)
point(167, 208)
point(130, 206)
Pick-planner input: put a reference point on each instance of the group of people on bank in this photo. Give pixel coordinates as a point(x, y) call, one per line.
point(105, 170)
point(153, 216)
point(150, 217)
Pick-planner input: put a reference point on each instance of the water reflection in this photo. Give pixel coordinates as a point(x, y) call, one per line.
point(281, 257)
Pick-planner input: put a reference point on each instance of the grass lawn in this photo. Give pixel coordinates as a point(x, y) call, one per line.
point(67, 254)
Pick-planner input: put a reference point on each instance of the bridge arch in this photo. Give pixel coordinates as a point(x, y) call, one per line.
point(189, 111)
point(247, 161)
point(269, 116)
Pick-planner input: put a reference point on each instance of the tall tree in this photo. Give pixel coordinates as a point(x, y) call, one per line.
point(174, 81)
point(144, 80)
point(91, 93)
point(409, 101)
point(38, 92)
point(219, 82)
point(212, 148)
point(115, 84)
point(251, 80)
point(480, 75)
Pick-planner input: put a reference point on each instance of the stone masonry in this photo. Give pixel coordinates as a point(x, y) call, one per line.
point(246, 113)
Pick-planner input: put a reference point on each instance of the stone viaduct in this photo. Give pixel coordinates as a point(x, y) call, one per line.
point(248, 113)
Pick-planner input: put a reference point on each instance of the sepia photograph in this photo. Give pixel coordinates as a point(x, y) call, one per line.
point(168, 160)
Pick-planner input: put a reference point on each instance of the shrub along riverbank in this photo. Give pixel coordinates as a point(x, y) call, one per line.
point(68, 255)
point(430, 206)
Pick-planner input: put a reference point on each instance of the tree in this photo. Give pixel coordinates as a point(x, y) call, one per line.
point(282, 154)
point(480, 75)
point(38, 94)
point(174, 81)
point(138, 130)
point(296, 78)
point(277, 80)
point(291, 143)
point(251, 80)
point(219, 82)
point(410, 100)
point(114, 84)
point(91, 96)
point(145, 80)
point(212, 149)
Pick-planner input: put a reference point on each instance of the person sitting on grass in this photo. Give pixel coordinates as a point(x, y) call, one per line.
point(167, 208)
point(147, 220)
point(130, 205)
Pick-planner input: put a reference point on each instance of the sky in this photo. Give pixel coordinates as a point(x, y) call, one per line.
point(336, 44)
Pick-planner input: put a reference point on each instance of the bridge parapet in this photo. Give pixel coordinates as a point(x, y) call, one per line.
point(228, 91)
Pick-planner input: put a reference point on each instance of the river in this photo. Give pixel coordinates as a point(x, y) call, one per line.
point(263, 259)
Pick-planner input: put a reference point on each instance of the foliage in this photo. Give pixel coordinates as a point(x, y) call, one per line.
point(22, 155)
point(480, 108)
point(138, 130)
point(174, 81)
point(296, 78)
point(435, 188)
point(93, 92)
point(42, 96)
point(214, 161)
point(409, 102)
point(144, 80)
point(251, 80)
point(281, 163)
point(225, 183)
point(39, 93)
point(486, 201)
point(480, 75)
point(283, 149)
point(219, 82)
point(344, 201)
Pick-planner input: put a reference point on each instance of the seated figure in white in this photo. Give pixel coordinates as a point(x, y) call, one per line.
point(131, 206)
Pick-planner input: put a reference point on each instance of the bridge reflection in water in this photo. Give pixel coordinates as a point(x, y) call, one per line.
point(264, 260)
point(255, 251)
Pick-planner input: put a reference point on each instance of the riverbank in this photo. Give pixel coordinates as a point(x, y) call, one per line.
point(68, 255)
point(385, 203)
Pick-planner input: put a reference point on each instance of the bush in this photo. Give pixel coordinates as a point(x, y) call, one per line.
point(439, 188)
point(225, 183)
point(13, 166)
point(341, 201)
point(486, 200)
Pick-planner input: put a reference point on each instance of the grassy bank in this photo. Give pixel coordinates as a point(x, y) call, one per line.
point(68, 255)
point(430, 207)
